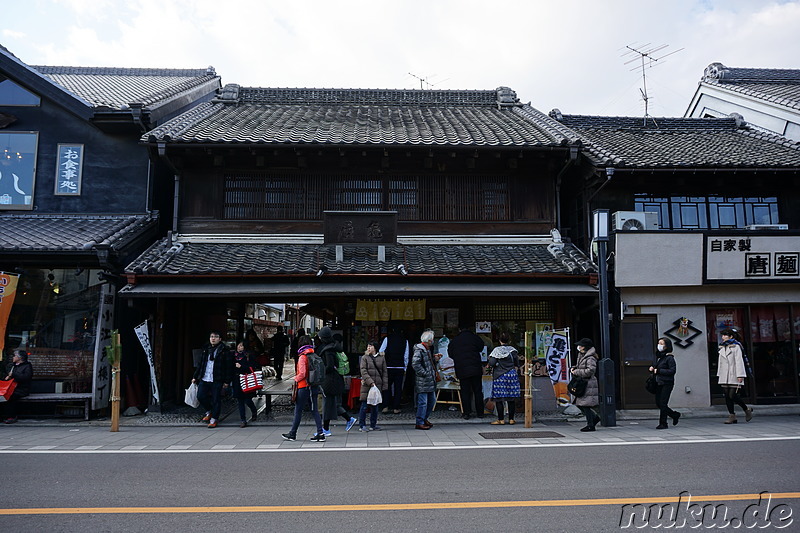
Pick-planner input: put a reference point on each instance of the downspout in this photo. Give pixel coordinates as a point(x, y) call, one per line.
point(573, 156)
point(162, 153)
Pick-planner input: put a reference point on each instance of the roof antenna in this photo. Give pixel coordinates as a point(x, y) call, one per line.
point(649, 56)
point(426, 81)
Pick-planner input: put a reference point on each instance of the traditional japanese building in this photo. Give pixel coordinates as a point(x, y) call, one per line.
point(767, 98)
point(423, 207)
point(706, 235)
point(79, 199)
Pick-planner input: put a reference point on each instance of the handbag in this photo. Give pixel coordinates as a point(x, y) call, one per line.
point(294, 391)
point(190, 398)
point(577, 386)
point(651, 385)
point(252, 381)
point(7, 388)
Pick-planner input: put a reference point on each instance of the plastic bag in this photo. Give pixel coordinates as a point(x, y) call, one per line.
point(374, 396)
point(191, 396)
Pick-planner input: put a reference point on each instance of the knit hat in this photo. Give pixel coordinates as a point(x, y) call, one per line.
point(325, 334)
point(586, 343)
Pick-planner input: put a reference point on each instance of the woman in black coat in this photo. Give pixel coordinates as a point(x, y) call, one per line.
point(664, 370)
point(243, 365)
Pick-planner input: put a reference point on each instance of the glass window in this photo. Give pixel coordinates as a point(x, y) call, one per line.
point(17, 169)
point(727, 215)
point(710, 211)
point(12, 94)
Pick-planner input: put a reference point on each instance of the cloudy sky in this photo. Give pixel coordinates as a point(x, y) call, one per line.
point(564, 54)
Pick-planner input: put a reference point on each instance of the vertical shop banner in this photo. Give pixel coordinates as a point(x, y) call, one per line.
point(143, 333)
point(558, 365)
point(8, 290)
point(101, 380)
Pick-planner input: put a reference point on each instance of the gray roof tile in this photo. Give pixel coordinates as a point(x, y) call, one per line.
point(69, 233)
point(119, 88)
point(187, 259)
point(361, 116)
point(777, 86)
point(680, 142)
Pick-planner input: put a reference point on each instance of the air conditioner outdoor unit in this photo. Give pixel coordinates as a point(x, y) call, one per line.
point(634, 221)
point(768, 226)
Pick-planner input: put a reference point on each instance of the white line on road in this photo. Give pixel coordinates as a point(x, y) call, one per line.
point(40, 450)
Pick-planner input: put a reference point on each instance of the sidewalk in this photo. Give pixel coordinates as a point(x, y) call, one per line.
point(181, 430)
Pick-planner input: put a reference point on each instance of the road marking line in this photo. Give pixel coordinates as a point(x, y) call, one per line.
point(325, 448)
point(391, 506)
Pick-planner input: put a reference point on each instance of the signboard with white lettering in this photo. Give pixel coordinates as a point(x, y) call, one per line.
point(69, 170)
point(753, 257)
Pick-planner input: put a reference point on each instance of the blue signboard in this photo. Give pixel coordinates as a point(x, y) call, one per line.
point(69, 170)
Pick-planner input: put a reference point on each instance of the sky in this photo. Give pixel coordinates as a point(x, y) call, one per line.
point(566, 54)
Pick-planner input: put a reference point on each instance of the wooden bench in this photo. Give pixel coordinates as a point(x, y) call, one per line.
point(85, 397)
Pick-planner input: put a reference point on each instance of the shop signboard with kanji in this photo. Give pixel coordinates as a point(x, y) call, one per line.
point(69, 171)
point(753, 257)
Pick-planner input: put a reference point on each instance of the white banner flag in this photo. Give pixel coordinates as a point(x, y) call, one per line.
point(557, 365)
point(143, 333)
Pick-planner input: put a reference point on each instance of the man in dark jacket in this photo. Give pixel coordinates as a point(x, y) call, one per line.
point(465, 350)
point(280, 342)
point(22, 373)
point(213, 374)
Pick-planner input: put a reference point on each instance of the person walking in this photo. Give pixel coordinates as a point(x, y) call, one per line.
point(465, 350)
point(22, 372)
point(504, 361)
point(373, 373)
point(425, 377)
point(212, 376)
point(395, 349)
point(664, 370)
point(586, 368)
point(333, 384)
point(280, 343)
point(305, 392)
point(243, 364)
point(731, 372)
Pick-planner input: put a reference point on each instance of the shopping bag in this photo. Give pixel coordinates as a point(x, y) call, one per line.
point(251, 382)
point(7, 389)
point(190, 398)
point(374, 396)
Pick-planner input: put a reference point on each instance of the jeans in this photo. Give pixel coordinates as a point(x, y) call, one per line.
point(394, 388)
point(426, 401)
point(246, 400)
point(472, 394)
point(210, 396)
point(663, 393)
point(362, 415)
point(302, 399)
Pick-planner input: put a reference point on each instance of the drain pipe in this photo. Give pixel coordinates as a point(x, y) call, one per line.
point(573, 156)
point(162, 153)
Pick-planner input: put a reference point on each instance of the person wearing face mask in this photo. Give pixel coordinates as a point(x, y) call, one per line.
point(664, 371)
point(373, 372)
point(586, 368)
point(731, 371)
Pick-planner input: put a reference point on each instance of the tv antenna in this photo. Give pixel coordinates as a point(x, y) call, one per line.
point(426, 81)
point(648, 56)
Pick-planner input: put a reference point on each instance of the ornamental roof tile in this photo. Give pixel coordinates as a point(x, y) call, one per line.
point(680, 142)
point(778, 86)
point(362, 116)
point(69, 233)
point(188, 259)
point(121, 88)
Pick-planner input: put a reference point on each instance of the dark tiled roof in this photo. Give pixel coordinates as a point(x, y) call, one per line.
point(680, 142)
point(186, 259)
point(361, 116)
point(69, 233)
point(777, 86)
point(119, 88)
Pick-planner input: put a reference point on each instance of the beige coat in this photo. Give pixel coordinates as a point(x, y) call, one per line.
point(586, 368)
point(730, 365)
point(373, 371)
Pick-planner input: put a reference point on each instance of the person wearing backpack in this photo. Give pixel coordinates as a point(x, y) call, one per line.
point(328, 348)
point(307, 388)
point(664, 370)
point(731, 371)
point(373, 374)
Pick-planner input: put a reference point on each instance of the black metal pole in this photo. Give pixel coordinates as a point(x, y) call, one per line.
point(606, 377)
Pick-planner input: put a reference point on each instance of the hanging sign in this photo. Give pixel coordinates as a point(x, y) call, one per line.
point(101, 380)
point(69, 172)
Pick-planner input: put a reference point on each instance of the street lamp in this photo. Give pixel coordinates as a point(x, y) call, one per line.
point(605, 367)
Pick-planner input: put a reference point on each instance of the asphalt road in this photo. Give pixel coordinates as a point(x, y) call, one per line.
point(184, 486)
